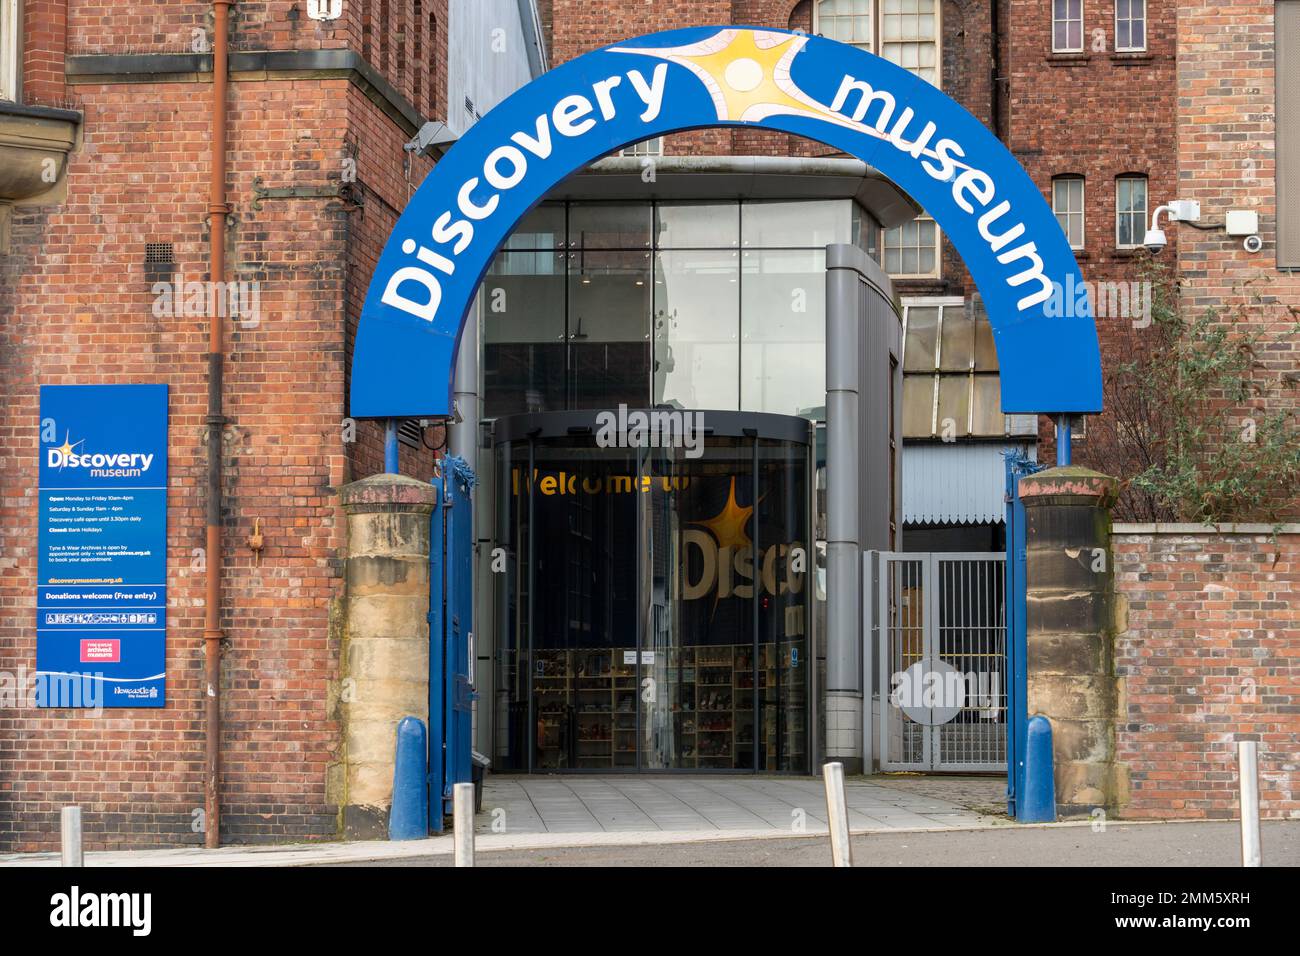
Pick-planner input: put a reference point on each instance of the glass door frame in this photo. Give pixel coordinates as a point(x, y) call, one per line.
point(580, 426)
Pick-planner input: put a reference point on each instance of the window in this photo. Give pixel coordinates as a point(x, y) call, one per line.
point(1130, 211)
point(715, 304)
point(10, 49)
point(912, 249)
point(849, 21)
point(1067, 203)
point(1130, 25)
point(647, 147)
point(907, 37)
point(905, 32)
point(1067, 26)
point(951, 385)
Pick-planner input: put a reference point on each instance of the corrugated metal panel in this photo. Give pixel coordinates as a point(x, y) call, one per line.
point(960, 483)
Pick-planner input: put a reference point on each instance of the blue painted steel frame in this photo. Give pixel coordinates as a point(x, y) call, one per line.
point(451, 610)
point(1017, 466)
point(437, 668)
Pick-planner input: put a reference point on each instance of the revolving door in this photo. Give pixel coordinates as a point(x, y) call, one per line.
point(653, 603)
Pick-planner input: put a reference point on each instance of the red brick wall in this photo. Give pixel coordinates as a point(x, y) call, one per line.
point(45, 37)
point(76, 306)
point(1098, 114)
point(1206, 653)
point(1225, 159)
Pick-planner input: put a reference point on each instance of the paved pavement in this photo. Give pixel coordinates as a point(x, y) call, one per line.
point(1076, 845)
point(560, 803)
point(545, 812)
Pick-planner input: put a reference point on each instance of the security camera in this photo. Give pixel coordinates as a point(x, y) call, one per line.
point(1180, 210)
point(1252, 244)
point(434, 139)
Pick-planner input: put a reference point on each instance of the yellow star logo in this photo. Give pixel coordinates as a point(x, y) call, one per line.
point(67, 447)
point(747, 73)
point(728, 525)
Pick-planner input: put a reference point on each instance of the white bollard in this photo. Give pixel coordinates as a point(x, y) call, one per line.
point(1248, 787)
point(837, 814)
point(70, 825)
point(462, 807)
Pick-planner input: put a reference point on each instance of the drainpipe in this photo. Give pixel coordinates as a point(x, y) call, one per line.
point(215, 421)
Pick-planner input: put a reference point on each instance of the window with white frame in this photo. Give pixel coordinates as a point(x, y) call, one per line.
point(1130, 26)
point(951, 384)
point(1067, 26)
point(849, 21)
point(905, 32)
point(908, 36)
point(1130, 211)
point(647, 147)
point(1067, 203)
point(911, 251)
point(10, 49)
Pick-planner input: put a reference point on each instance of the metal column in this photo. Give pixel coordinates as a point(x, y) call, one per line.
point(843, 579)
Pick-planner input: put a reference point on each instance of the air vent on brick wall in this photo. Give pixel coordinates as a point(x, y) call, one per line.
point(156, 253)
point(159, 261)
point(410, 432)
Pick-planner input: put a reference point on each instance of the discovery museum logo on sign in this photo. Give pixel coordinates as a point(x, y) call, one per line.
point(908, 130)
point(116, 464)
point(747, 74)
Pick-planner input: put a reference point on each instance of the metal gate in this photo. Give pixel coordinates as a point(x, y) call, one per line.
point(451, 638)
point(941, 621)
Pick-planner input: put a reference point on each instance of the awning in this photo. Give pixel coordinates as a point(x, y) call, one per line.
point(957, 483)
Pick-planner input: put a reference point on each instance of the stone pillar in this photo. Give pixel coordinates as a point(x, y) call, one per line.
point(385, 654)
point(1070, 629)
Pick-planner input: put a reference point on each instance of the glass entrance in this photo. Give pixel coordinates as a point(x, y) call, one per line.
point(654, 612)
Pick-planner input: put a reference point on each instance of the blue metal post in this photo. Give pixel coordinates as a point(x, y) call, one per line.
point(1038, 802)
point(1062, 440)
point(458, 480)
point(409, 817)
point(437, 664)
point(391, 465)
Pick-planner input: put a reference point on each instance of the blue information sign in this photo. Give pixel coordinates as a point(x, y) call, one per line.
point(101, 605)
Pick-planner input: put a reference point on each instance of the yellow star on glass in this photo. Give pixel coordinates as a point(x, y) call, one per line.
point(728, 525)
point(747, 72)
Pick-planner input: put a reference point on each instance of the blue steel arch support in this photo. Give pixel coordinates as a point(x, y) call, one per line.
point(828, 91)
point(451, 626)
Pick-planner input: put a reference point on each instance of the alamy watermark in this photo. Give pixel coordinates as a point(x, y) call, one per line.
point(24, 688)
point(656, 428)
point(934, 692)
point(200, 300)
point(1109, 300)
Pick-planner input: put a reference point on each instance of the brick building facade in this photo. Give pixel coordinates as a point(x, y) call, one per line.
point(312, 104)
point(1205, 655)
point(321, 107)
point(1207, 644)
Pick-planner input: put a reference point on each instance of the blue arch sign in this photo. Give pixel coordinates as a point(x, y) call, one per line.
point(982, 198)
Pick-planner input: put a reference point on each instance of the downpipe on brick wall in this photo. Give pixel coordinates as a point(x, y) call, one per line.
point(215, 421)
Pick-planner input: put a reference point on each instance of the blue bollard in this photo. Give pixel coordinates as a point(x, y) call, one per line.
point(409, 817)
point(1038, 802)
